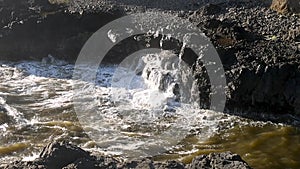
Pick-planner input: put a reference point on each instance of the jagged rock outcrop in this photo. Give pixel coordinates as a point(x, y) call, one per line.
point(261, 60)
point(59, 155)
point(219, 160)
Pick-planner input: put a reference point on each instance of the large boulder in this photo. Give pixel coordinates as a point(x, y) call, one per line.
point(60, 154)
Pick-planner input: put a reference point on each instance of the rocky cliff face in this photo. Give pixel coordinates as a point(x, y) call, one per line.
point(260, 53)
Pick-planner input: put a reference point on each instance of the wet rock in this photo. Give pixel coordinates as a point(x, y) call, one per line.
point(149, 164)
point(219, 160)
point(21, 164)
point(285, 6)
point(4, 118)
point(58, 155)
point(93, 163)
point(63, 155)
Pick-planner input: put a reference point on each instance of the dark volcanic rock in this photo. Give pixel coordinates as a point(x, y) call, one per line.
point(4, 118)
point(149, 164)
point(219, 160)
point(93, 162)
point(259, 49)
point(63, 155)
point(58, 155)
point(33, 29)
point(261, 60)
point(209, 9)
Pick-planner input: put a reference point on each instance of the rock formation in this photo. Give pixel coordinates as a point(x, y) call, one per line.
point(59, 155)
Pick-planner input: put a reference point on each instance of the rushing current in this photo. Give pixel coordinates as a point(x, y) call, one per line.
point(147, 109)
point(37, 106)
point(146, 116)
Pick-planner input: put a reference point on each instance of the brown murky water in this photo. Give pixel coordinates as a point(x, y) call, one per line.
point(265, 146)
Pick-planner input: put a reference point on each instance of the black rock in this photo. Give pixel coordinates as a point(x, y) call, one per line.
point(209, 9)
point(63, 155)
point(219, 160)
point(260, 54)
point(33, 29)
point(4, 118)
point(58, 155)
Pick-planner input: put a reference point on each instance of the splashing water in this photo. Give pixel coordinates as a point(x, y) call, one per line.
point(150, 106)
point(36, 107)
point(151, 113)
point(153, 100)
point(135, 109)
point(143, 108)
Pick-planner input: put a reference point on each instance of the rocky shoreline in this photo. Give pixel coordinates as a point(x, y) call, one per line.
point(259, 48)
point(57, 155)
